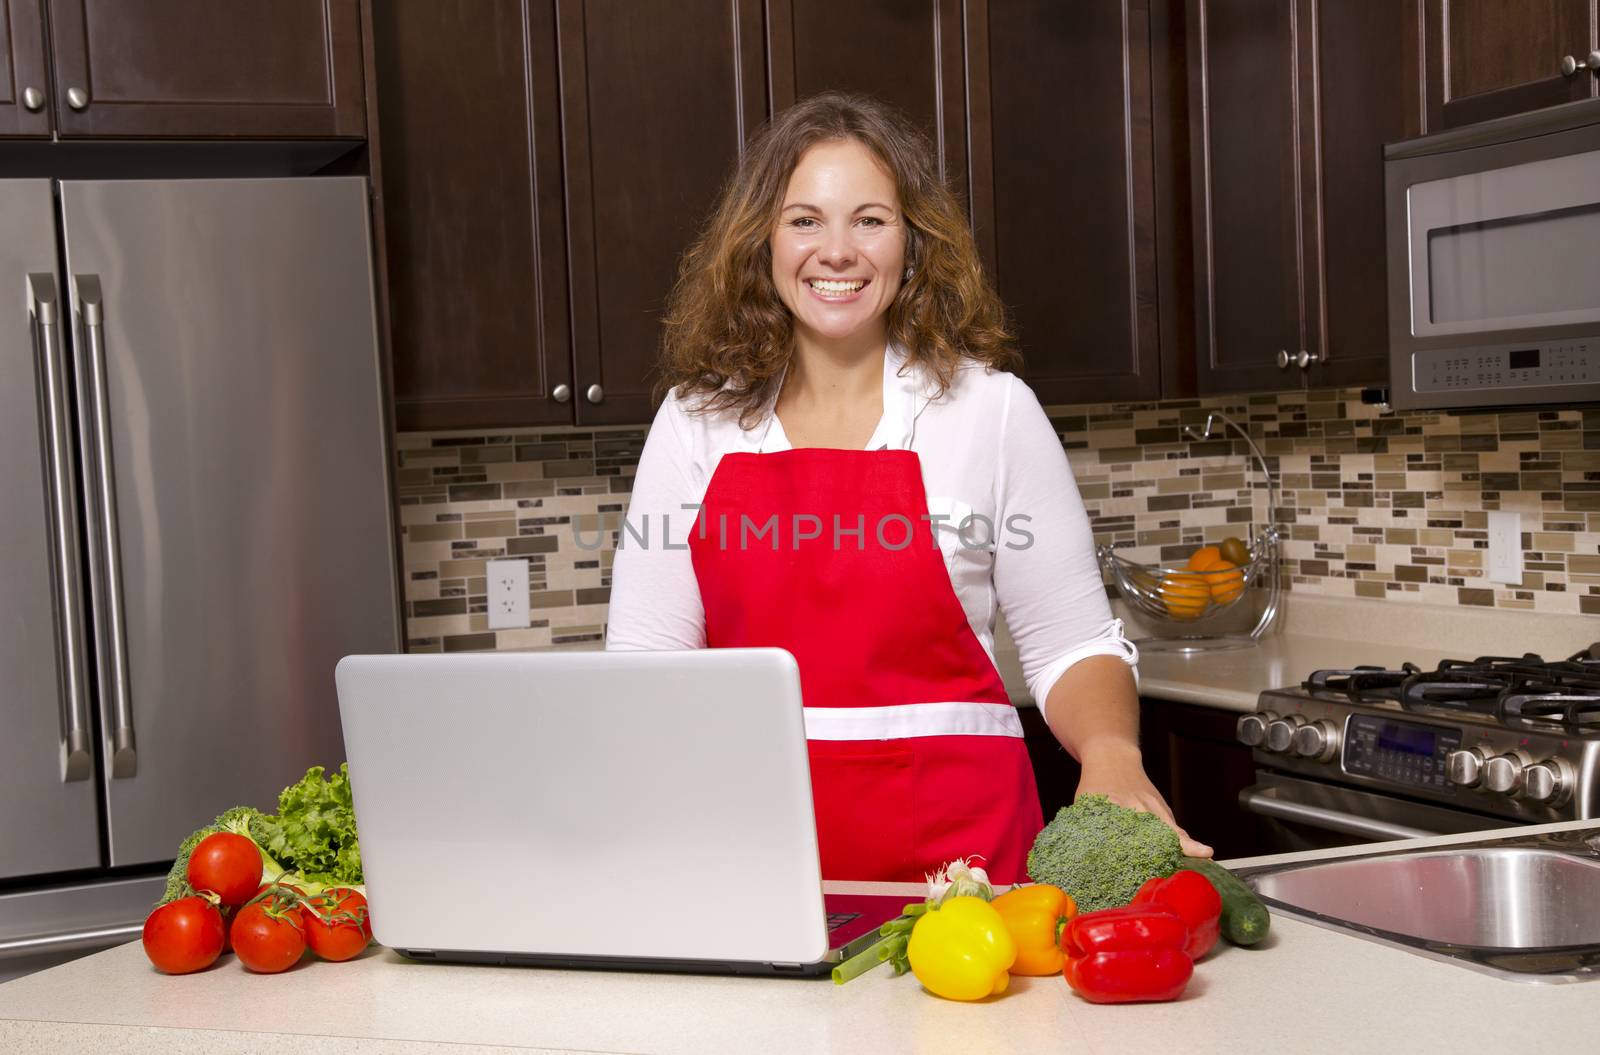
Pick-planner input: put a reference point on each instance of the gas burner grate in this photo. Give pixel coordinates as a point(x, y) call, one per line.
point(1362, 683)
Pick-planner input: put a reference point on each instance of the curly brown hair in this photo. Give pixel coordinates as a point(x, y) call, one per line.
point(728, 336)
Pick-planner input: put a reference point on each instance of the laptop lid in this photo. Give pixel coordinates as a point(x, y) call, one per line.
point(612, 805)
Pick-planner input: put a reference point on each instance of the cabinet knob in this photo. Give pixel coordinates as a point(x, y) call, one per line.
point(594, 393)
point(1303, 359)
point(77, 98)
point(561, 393)
point(1570, 65)
point(32, 99)
point(1283, 358)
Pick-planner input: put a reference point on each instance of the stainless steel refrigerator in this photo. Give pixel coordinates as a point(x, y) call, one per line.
point(195, 522)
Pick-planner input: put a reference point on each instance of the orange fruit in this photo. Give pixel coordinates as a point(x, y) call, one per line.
point(1185, 596)
point(1204, 558)
point(1225, 580)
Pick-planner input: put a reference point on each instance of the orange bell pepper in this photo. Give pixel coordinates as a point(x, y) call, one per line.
point(1035, 915)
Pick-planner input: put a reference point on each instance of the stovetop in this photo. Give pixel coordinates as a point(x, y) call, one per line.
point(1512, 736)
point(1527, 692)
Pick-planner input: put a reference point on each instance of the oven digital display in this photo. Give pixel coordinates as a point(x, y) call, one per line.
point(1407, 739)
point(1396, 752)
point(1525, 359)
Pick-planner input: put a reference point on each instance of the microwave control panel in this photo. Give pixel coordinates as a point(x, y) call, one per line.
point(1574, 361)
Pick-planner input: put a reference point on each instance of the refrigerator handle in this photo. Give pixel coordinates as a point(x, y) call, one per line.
point(105, 561)
point(77, 754)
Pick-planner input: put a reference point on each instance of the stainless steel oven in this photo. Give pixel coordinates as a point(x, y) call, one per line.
point(1494, 273)
point(1370, 754)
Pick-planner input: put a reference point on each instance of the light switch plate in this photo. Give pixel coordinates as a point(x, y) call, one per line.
point(1505, 548)
point(508, 594)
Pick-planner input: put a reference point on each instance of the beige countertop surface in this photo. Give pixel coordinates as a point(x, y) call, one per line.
point(1305, 989)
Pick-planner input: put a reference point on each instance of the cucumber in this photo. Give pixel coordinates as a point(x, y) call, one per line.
point(1244, 918)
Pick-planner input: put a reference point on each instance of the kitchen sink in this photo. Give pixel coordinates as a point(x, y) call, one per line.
point(1522, 907)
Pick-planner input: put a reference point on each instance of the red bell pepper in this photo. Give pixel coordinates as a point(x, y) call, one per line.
point(1196, 902)
point(1128, 954)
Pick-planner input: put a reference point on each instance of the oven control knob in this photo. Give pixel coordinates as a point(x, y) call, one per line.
point(1548, 782)
point(1280, 732)
point(1464, 768)
point(1251, 729)
point(1317, 740)
point(1503, 773)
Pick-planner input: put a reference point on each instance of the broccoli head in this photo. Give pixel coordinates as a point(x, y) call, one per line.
point(1101, 853)
point(241, 820)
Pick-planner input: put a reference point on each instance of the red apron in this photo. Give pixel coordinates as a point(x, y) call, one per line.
point(916, 750)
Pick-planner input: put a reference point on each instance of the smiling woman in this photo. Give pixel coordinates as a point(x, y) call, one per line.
point(843, 467)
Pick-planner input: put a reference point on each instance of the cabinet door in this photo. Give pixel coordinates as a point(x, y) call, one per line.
point(1368, 61)
point(1062, 190)
point(1255, 230)
point(907, 53)
point(24, 82)
point(657, 98)
point(471, 155)
point(208, 68)
point(1490, 58)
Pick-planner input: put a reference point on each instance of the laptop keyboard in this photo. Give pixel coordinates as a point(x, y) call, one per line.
point(839, 919)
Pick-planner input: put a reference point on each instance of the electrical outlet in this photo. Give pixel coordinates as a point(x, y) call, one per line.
point(508, 594)
point(1505, 548)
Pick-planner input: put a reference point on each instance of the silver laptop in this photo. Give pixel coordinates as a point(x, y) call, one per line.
point(640, 810)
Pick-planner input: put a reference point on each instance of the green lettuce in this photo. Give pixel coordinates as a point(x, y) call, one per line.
point(314, 832)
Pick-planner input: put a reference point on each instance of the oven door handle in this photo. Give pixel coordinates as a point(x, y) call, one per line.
point(1262, 801)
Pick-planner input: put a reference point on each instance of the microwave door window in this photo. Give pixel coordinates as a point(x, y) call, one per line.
point(1506, 249)
point(1515, 268)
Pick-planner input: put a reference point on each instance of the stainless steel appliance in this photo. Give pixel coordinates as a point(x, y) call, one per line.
point(1372, 754)
point(196, 523)
point(1494, 284)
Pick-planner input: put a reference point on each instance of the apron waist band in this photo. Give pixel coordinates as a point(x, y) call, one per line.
point(900, 721)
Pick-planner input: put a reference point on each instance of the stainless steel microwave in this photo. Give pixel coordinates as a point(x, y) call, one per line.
point(1494, 262)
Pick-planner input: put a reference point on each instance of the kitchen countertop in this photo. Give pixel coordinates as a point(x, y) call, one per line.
point(1306, 989)
point(1319, 633)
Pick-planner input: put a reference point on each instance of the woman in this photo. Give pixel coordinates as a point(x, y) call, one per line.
point(844, 469)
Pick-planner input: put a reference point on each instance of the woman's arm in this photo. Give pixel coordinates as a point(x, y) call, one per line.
point(1077, 663)
point(1103, 735)
point(655, 597)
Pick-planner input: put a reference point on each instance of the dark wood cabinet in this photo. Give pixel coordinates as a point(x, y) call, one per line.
point(657, 99)
point(24, 78)
point(1290, 105)
point(909, 53)
point(471, 154)
point(1063, 190)
point(1194, 761)
point(1368, 93)
point(1490, 58)
point(177, 69)
point(1256, 237)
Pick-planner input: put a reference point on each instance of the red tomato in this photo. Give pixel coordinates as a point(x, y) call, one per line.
point(227, 865)
point(266, 939)
point(184, 935)
point(338, 925)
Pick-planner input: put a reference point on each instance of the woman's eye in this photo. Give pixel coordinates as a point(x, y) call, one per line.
point(872, 221)
point(804, 222)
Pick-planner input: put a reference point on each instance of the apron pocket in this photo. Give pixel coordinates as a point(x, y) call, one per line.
point(864, 800)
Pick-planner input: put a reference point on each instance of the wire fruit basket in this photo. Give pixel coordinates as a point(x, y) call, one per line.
point(1179, 599)
point(1191, 597)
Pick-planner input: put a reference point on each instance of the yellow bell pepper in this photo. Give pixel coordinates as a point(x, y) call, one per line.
point(1035, 915)
point(962, 950)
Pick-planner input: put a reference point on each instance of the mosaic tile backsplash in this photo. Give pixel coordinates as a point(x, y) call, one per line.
point(1381, 506)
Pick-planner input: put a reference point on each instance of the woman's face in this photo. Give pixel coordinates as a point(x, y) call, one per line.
point(840, 245)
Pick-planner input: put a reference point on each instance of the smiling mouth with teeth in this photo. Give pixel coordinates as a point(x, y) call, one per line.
point(837, 287)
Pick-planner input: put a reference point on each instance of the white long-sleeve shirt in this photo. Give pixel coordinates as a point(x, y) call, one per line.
point(987, 451)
